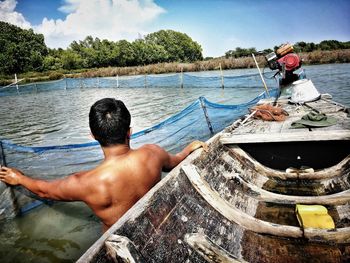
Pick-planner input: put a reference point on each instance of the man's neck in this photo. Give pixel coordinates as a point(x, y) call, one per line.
point(115, 150)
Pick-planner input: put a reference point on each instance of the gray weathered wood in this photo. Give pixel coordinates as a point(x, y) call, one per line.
point(121, 250)
point(235, 215)
point(266, 196)
point(339, 235)
point(209, 250)
point(239, 208)
point(303, 135)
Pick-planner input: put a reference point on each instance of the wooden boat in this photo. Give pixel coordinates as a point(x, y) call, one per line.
point(236, 203)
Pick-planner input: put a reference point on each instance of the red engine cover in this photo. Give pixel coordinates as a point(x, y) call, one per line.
point(291, 61)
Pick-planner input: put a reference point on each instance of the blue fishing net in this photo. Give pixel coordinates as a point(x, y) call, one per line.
point(198, 121)
point(182, 80)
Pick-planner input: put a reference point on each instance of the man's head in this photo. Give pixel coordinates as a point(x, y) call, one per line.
point(109, 121)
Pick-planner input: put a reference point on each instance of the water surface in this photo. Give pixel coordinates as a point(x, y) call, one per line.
point(63, 231)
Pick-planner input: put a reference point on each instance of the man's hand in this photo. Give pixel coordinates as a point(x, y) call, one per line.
point(10, 175)
point(173, 160)
point(198, 144)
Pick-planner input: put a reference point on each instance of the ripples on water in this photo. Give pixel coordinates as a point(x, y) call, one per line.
point(61, 116)
point(63, 231)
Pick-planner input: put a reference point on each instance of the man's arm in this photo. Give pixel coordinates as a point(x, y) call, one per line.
point(65, 189)
point(173, 160)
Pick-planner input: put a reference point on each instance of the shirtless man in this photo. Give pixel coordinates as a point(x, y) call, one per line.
point(123, 177)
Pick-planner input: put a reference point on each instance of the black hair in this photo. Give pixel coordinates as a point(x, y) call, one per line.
point(109, 121)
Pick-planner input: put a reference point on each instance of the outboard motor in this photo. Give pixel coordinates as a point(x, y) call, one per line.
point(286, 62)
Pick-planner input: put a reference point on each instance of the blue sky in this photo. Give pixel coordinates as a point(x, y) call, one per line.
point(218, 25)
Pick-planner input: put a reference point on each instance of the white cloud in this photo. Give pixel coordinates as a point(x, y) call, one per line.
point(106, 19)
point(8, 14)
point(70, 6)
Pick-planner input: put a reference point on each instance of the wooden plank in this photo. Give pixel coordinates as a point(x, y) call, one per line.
point(235, 215)
point(303, 135)
point(339, 235)
point(121, 250)
point(209, 250)
point(266, 196)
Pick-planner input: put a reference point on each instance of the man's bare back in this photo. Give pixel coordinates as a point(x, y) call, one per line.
point(121, 180)
point(123, 177)
point(112, 187)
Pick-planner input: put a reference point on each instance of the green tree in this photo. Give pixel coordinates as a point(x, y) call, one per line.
point(71, 60)
point(125, 55)
point(329, 45)
point(179, 46)
point(52, 63)
point(240, 52)
point(305, 47)
point(148, 53)
point(21, 50)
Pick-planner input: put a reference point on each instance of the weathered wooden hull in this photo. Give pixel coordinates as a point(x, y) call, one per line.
point(224, 206)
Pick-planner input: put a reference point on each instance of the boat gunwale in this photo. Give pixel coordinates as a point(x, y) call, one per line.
point(137, 209)
point(300, 136)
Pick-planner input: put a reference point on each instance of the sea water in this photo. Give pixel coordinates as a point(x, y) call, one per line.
point(61, 232)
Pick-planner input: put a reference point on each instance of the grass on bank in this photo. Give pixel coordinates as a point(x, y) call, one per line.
point(311, 58)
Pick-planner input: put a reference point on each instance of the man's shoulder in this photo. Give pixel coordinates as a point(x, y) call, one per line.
point(153, 147)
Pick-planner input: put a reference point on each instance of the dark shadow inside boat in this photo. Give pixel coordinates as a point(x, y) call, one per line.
point(324, 181)
point(283, 155)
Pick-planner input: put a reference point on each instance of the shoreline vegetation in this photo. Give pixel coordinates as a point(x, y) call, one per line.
point(24, 53)
point(309, 58)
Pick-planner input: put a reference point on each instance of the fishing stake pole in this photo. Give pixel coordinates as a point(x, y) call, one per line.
point(206, 116)
point(3, 159)
point(261, 76)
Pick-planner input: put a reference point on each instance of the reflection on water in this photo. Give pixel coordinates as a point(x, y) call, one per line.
point(63, 231)
point(57, 233)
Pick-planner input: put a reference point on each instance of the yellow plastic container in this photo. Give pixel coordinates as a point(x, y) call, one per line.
point(314, 216)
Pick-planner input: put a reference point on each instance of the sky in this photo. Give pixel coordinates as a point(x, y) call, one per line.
point(217, 25)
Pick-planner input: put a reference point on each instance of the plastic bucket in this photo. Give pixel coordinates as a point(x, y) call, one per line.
point(304, 91)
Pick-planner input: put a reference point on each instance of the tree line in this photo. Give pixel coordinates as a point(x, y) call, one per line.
point(299, 47)
point(20, 50)
point(23, 51)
